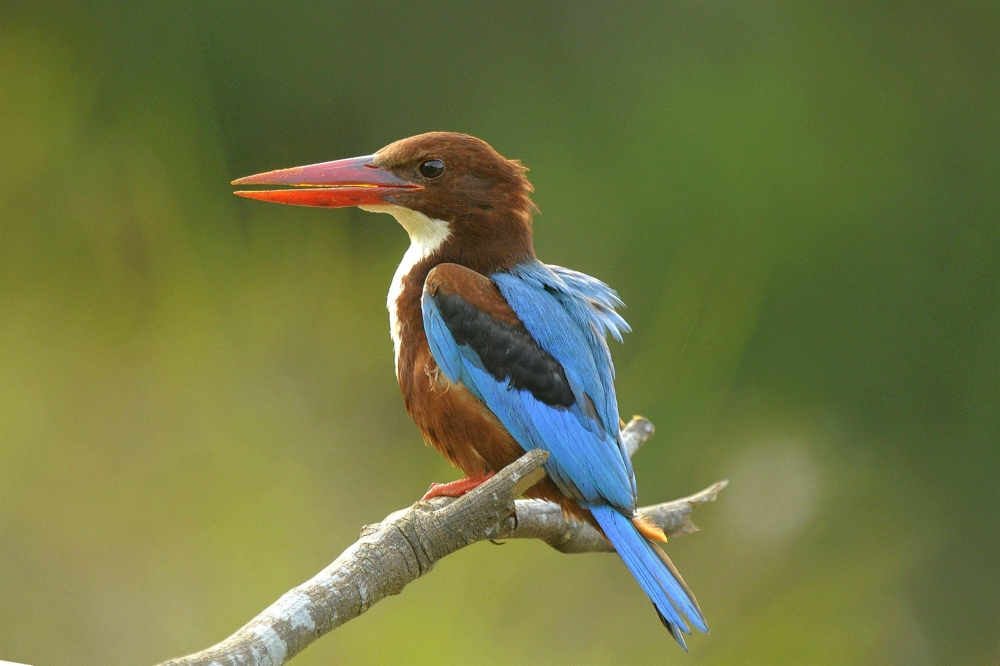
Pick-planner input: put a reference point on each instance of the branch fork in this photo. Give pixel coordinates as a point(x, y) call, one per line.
point(406, 545)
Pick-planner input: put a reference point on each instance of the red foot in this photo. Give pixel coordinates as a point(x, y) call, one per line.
point(455, 488)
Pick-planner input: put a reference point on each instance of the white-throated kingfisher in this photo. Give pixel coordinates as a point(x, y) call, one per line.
point(496, 352)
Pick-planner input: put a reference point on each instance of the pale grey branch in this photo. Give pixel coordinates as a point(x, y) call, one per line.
point(544, 520)
point(408, 543)
point(636, 433)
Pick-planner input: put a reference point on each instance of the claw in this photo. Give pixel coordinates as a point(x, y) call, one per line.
point(455, 488)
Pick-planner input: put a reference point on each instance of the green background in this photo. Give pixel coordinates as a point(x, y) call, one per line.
point(198, 409)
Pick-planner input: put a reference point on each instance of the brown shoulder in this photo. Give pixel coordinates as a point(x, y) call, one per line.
point(472, 287)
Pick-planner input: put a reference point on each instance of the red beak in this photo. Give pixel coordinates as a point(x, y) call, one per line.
point(351, 182)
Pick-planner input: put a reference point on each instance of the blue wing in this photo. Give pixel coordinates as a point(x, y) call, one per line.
point(569, 314)
point(529, 343)
point(566, 316)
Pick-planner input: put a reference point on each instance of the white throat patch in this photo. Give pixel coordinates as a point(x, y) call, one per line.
point(426, 236)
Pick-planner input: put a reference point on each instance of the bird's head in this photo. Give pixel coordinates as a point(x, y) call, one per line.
point(454, 194)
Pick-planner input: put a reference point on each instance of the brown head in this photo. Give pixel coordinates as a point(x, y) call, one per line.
point(457, 197)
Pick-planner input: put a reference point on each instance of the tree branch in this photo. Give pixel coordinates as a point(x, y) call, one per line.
point(408, 543)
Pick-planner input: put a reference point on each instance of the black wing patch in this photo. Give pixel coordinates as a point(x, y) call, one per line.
point(508, 352)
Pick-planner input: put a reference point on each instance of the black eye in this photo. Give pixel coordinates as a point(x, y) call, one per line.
point(431, 168)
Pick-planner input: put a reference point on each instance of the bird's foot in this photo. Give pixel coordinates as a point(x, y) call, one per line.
point(455, 488)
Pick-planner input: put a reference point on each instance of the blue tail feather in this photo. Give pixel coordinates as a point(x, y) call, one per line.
point(656, 576)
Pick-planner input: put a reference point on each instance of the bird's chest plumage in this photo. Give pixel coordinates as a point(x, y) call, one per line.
point(449, 416)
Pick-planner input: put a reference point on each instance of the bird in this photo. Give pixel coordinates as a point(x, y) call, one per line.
point(497, 353)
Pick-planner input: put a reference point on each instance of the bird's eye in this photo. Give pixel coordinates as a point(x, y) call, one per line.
point(431, 168)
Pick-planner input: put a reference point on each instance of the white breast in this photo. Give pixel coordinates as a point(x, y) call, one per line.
point(426, 236)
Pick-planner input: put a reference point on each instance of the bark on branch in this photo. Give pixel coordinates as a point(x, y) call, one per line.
point(406, 545)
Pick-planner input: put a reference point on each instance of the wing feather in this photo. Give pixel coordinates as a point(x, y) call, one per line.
point(523, 389)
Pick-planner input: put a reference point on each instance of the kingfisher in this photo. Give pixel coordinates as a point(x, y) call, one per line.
point(496, 352)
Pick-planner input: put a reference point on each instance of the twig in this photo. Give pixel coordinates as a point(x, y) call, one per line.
point(408, 543)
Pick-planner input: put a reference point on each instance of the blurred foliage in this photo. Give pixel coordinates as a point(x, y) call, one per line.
point(197, 403)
